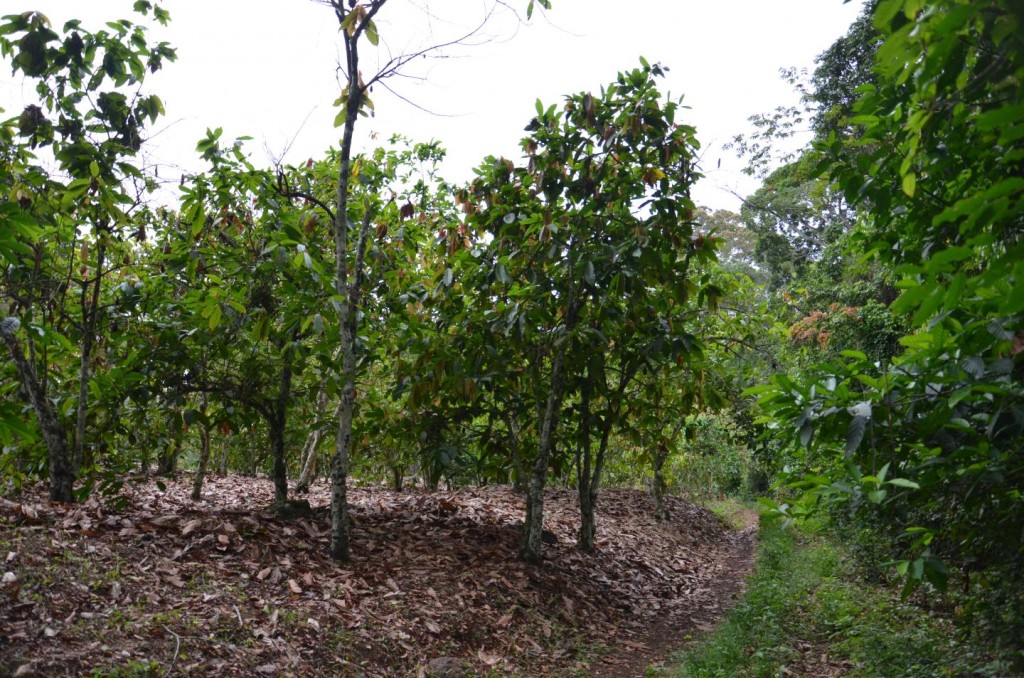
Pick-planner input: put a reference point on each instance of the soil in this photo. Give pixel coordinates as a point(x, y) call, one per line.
point(728, 568)
point(151, 583)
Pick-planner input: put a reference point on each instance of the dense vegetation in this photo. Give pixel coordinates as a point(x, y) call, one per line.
point(850, 346)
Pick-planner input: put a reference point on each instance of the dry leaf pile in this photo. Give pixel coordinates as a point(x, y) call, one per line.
point(163, 585)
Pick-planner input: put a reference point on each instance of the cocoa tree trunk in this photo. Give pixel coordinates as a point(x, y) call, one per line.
point(518, 465)
point(309, 453)
point(204, 454)
point(167, 459)
point(62, 472)
point(347, 284)
point(534, 522)
point(589, 470)
point(277, 421)
point(279, 472)
point(89, 313)
point(660, 457)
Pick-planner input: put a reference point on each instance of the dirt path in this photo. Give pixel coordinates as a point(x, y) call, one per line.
point(728, 567)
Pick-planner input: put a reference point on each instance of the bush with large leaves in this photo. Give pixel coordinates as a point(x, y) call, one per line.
point(934, 439)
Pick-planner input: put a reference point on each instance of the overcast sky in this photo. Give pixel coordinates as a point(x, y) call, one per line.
point(267, 69)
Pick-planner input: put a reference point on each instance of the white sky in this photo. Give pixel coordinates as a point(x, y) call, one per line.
point(266, 69)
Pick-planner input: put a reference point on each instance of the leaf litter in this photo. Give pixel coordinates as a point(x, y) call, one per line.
point(225, 587)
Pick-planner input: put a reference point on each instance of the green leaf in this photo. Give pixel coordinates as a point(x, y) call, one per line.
point(215, 316)
point(806, 433)
point(855, 434)
point(909, 184)
point(371, 33)
point(903, 482)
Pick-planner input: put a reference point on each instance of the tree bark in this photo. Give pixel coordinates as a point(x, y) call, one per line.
point(85, 372)
point(346, 287)
point(204, 456)
point(277, 423)
point(309, 453)
point(62, 472)
point(660, 457)
point(518, 466)
point(397, 478)
point(534, 522)
point(167, 460)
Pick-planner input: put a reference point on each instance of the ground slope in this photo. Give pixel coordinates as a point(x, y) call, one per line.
point(155, 584)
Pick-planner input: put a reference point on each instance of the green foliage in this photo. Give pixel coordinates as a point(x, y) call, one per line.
point(805, 613)
point(72, 229)
point(929, 442)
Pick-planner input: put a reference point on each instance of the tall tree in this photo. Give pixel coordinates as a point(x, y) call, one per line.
point(351, 232)
point(581, 255)
point(91, 117)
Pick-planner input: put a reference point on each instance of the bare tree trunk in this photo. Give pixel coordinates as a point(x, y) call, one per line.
point(279, 472)
point(167, 459)
point(62, 472)
point(518, 465)
point(278, 422)
point(590, 470)
point(204, 454)
point(347, 286)
point(85, 372)
point(222, 465)
point(660, 457)
point(534, 523)
point(397, 478)
point(587, 496)
point(309, 454)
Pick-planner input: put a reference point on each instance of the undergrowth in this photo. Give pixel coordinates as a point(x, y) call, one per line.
point(806, 613)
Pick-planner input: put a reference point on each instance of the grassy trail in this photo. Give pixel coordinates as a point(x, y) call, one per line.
point(805, 614)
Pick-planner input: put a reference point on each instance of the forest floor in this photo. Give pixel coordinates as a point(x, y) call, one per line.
point(153, 584)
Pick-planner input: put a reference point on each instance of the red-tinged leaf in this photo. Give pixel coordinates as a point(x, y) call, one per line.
point(503, 621)
point(264, 573)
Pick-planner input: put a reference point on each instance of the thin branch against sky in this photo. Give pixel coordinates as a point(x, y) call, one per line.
point(270, 74)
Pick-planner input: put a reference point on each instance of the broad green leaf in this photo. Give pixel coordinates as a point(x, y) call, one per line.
point(903, 482)
point(909, 184)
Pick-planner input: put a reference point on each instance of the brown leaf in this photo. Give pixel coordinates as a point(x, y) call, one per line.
point(190, 527)
point(294, 586)
point(264, 573)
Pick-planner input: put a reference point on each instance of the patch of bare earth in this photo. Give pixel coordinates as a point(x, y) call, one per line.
point(725, 565)
point(158, 585)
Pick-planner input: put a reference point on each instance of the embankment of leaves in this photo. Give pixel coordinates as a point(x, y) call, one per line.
point(156, 584)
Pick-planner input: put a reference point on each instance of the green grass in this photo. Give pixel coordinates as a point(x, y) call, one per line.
point(805, 613)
